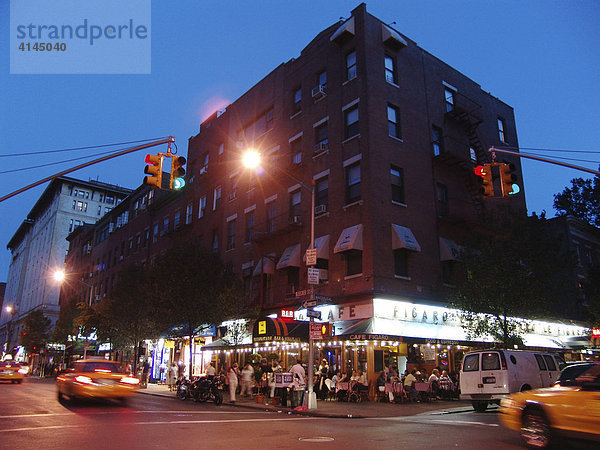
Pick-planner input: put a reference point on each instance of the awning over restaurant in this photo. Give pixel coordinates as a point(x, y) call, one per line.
point(403, 237)
point(347, 29)
point(449, 250)
point(350, 239)
point(290, 257)
point(322, 246)
point(267, 330)
point(268, 267)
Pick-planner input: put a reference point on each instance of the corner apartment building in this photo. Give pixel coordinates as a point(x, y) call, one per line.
point(39, 247)
point(389, 136)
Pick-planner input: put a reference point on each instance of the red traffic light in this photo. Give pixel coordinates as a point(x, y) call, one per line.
point(481, 171)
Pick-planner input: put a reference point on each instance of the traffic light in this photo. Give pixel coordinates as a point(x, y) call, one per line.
point(508, 179)
point(487, 184)
point(154, 169)
point(177, 173)
point(326, 329)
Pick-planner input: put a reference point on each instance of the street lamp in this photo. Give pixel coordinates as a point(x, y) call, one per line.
point(60, 276)
point(251, 160)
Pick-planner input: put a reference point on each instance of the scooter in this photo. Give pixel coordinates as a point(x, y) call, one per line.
point(184, 388)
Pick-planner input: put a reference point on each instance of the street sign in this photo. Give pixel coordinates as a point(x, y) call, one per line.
point(313, 275)
point(309, 303)
point(315, 330)
point(314, 314)
point(311, 256)
point(303, 293)
point(323, 298)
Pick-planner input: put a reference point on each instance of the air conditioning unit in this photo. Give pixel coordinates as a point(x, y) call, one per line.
point(233, 196)
point(318, 92)
point(97, 297)
point(203, 169)
point(296, 219)
point(322, 147)
point(121, 258)
point(320, 209)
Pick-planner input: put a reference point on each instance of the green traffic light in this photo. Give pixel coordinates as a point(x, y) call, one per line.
point(178, 183)
point(515, 189)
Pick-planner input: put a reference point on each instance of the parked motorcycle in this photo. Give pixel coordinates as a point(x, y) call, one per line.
point(184, 388)
point(208, 389)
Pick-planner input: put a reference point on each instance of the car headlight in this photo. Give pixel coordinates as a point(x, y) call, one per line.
point(23, 371)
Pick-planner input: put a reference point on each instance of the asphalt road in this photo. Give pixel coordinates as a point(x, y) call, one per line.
point(31, 417)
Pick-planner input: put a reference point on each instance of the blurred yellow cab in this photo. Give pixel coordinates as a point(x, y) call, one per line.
point(96, 378)
point(543, 416)
point(12, 371)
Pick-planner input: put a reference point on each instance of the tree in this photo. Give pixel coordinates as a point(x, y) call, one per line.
point(194, 289)
point(128, 315)
point(66, 325)
point(511, 273)
point(36, 331)
point(591, 288)
point(581, 200)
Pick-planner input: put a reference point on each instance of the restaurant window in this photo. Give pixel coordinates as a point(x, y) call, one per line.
point(401, 262)
point(353, 262)
point(353, 192)
point(393, 117)
point(231, 234)
point(249, 226)
point(437, 141)
point(297, 100)
point(397, 182)
point(390, 70)
point(351, 126)
point(351, 65)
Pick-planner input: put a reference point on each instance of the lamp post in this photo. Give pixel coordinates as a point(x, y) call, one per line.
point(12, 310)
point(251, 160)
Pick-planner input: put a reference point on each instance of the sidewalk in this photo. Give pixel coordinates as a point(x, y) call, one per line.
point(335, 409)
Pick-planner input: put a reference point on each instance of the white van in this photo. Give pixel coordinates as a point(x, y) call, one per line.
point(487, 376)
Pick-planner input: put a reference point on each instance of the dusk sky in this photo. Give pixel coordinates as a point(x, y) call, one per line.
point(539, 56)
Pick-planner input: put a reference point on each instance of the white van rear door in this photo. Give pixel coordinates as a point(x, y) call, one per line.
point(492, 376)
point(553, 371)
point(470, 378)
point(543, 377)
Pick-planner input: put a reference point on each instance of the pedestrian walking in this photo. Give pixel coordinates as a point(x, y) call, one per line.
point(232, 380)
point(172, 376)
point(145, 374)
point(247, 375)
point(299, 384)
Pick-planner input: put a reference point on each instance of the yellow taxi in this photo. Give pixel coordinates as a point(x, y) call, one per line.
point(96, 378)
point(544, 415)
point(12, 371)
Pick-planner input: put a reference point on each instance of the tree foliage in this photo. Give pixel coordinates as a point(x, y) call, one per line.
point(193, 288)
point(511, 273)
point(36, 331)
point(591, 287)
point(581, 200)
point(66, 325)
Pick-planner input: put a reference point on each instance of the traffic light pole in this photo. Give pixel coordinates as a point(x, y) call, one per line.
point(167, 140)
point(537, 158)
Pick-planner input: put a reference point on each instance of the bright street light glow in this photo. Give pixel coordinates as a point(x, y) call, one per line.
point(251, 159)
point(59, 276)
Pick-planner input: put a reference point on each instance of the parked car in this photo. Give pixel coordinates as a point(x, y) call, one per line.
point(96, 379)
point(12, 371)
point(570, 373)
point(487, 376)
point(546, 415)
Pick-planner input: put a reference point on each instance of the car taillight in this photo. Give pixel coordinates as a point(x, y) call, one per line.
point(83, 379)
point(130, 380)
point(23, 371)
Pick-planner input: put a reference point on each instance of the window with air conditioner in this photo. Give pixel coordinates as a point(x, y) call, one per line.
point(390, 70)
point(321, 195)
point(295, 203)
point(322, 138)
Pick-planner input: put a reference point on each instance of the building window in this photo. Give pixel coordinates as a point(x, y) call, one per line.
point(99, 210)
point(397, 182)
point(215, 240)
point(322, 195)
point(351, 65)
point(437, 141)
point(295, 210)
point(204, 164)
point(501, 127)
point(472, 154)
point(271, 212)
point(165, 225)
point(155, 233)
point(322, 79)
point(216, 198)
point(321, 137)
point(234, 187)
point(449, 96)
point(390, 70)
point(353, 262)
point(297, 100)
point(353, 183)
point(202, 207)
point(442, 199)
point(393, 117)
point(146, 239)
point(220, 148)
point(231, 234)
point(249, 226)
point(351, 123)
point(177, 220)
point(401, 262)
point(296, 150)
point(188, 214)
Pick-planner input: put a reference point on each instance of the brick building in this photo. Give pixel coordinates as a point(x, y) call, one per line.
point(389, 135)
